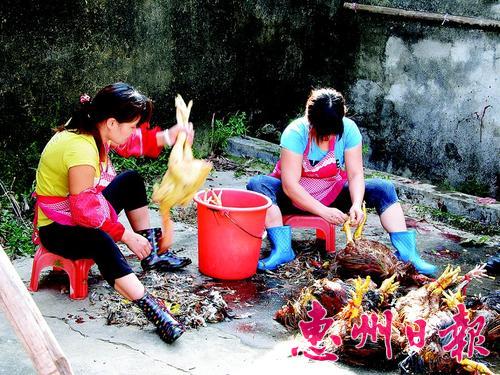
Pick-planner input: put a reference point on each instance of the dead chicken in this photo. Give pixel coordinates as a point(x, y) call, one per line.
point(184, 177)
point(365, 257)
point(332, 294)
point(420, 303)
point(426, 303)
point(365, 300)
point(489, 307)
point(345, 302)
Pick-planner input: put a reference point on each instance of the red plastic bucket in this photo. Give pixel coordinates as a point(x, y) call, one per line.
point(230, 236)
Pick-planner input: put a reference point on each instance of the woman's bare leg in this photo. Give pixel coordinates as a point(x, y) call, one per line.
point(393, 219)
point(139, 218)
point(274, 218)
point(130, 287)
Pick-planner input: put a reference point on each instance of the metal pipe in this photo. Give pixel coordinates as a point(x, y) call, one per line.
point(444, 19)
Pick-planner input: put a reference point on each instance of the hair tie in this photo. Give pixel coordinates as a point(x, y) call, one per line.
point(84, 99)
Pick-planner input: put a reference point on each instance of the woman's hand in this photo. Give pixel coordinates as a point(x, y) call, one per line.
point(334, 215)
point(139, 245)
point(356, 214)
point(174, 131)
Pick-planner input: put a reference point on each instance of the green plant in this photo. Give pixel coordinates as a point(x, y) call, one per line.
point(151, 170)
point(444, 186)
point(460, 222)
point(202, 140)
point(377, 174)
point(15, 232)
point(365, 149)
point(221, 131)
point(473, 187)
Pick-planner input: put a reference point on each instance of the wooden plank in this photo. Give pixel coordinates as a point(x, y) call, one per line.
point(444, 19)
point(28, 322)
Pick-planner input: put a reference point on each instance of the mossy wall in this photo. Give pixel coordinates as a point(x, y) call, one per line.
point(426, 96)
point(258, 56)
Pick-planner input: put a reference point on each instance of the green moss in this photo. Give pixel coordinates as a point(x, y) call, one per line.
point(474, 187)
point(375, 174)
point(249, 164)
point(460, 222)
point(445, 186)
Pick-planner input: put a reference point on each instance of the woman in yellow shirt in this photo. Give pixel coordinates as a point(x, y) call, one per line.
point(79, 194)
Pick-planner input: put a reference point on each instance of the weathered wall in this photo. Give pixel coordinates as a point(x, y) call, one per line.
point(427, 97)
point(414, 88)
point(258, 56)
point(53, 51)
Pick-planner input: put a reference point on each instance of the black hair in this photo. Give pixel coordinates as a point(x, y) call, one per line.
point(325, 110)
point(118, 100)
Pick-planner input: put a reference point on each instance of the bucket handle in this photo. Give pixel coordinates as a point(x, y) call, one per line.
point(226, 214)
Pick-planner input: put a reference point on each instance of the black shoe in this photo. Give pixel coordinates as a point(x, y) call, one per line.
point(493, 265)
point(157, 313)
point(162, 262)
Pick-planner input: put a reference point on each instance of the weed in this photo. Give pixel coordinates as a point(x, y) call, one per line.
point(202, 143)
point(15, 232)
point(474, 187)
point(221, 131)
point(375, 174)
point(444, 186)
point(365, 149)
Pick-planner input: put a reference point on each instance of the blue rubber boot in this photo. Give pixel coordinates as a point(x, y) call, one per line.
point(406, 250)
point(281, 248)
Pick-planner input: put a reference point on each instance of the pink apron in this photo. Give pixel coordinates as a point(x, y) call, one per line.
point(323, 181)
point(58, 210)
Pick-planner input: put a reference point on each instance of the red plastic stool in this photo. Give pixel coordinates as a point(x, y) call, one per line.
point(77, 270)
point(324, 229)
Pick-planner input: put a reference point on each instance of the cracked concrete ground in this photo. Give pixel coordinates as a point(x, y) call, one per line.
point(255, 343)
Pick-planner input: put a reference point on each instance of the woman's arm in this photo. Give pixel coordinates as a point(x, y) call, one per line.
point(149, 141)
point(291, 170)
point(80, 178)
point(169, 136)
point(354, 167)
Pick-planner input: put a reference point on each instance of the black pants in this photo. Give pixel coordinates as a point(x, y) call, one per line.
point(126, 192)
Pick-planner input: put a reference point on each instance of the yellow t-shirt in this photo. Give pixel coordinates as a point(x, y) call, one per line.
point(65, 149)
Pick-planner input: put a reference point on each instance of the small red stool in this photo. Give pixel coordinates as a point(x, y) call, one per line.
point(324, 229)
point(77, 270)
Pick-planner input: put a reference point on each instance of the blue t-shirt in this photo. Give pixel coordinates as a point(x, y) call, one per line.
point(296, 135)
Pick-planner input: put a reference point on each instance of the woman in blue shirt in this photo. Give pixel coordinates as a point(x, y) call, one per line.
point(320, 171)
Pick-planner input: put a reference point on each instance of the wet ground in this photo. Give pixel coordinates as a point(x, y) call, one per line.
point(247, 341)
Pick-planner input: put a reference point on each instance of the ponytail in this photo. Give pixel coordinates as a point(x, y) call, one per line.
point(118, 100)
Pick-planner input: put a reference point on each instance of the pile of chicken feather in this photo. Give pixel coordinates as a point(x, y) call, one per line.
point(384, 283)
point(191, 305)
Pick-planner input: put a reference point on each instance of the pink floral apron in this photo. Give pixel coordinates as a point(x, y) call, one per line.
point(323, 181)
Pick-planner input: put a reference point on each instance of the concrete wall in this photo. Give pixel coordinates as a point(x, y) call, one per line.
point(414, 88)
point(257, 56)
point(427, 98)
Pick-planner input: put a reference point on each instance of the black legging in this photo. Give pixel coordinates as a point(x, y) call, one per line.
point(126, 191)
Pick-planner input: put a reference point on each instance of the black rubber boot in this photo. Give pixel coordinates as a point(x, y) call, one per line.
point(157, 313)
point(161, 262)
point(493, 265)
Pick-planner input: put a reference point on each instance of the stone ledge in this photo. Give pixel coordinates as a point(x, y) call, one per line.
point(409, 190)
